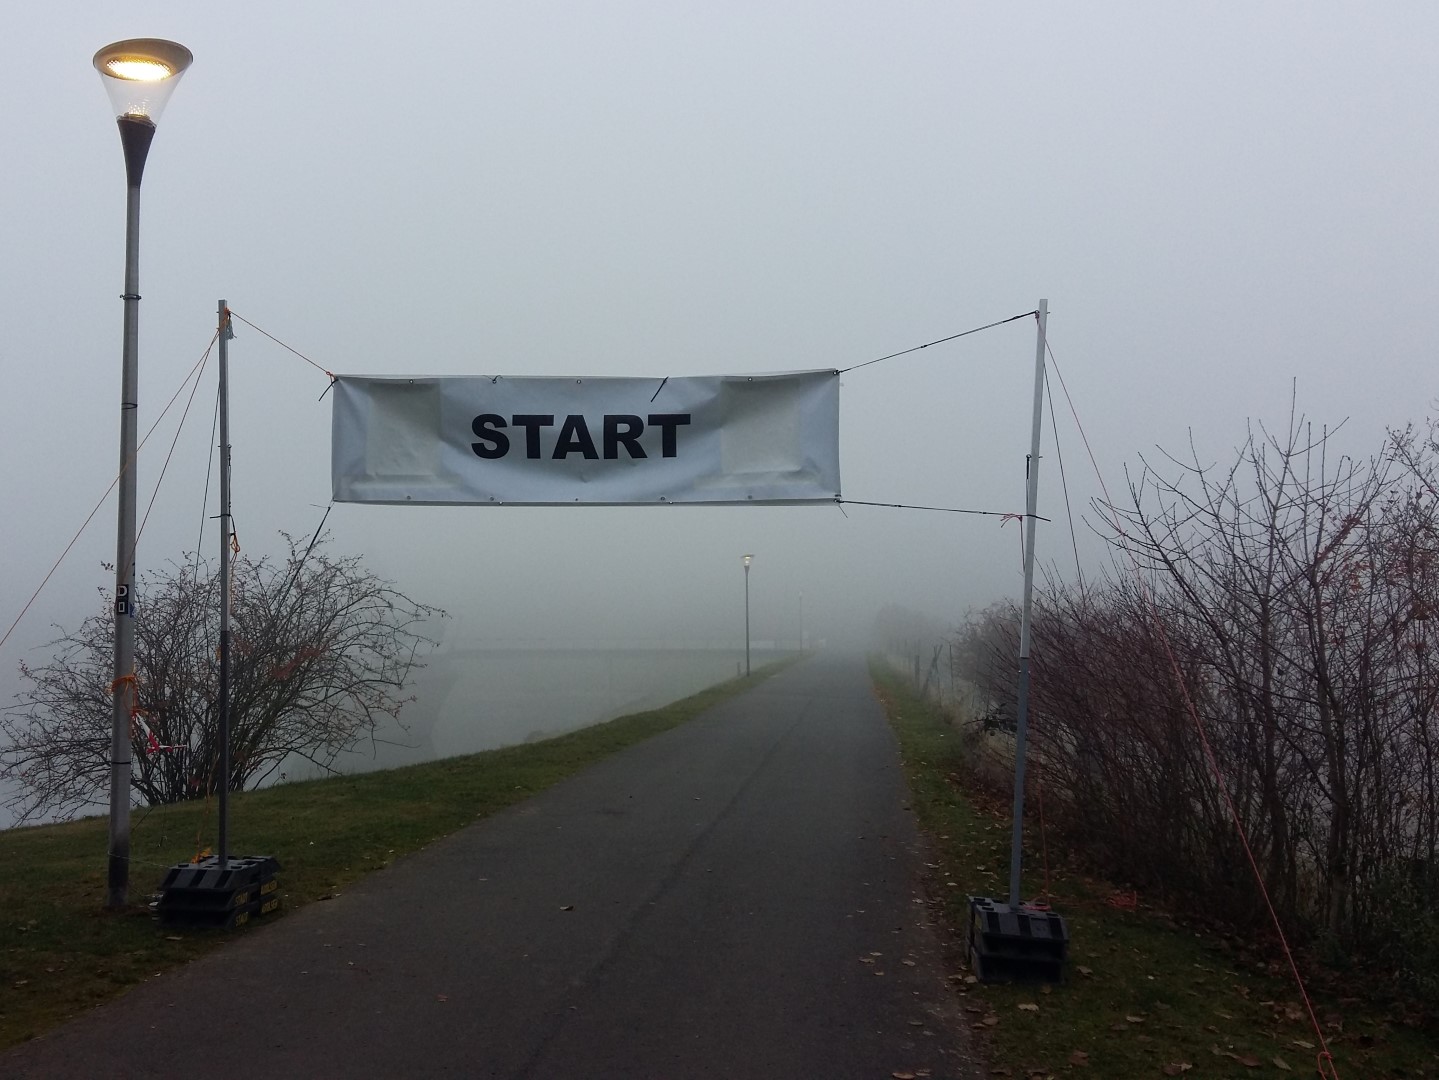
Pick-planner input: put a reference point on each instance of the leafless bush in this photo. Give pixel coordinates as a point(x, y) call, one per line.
point(1288, 598)
point(322, 652)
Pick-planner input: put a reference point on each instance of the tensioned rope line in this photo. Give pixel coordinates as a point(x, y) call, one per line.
point(277, 341)
point(125, 466)
point(939, 509)
point(205, 501)
point(173, 442)
point(1325, 1059)
point(941, 341)
point(1063, 480)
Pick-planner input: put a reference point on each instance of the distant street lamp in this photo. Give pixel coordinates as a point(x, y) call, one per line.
point(747, 559)
point(139, 75)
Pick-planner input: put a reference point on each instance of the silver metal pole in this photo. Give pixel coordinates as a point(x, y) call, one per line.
point(135, 137)
point(226, 531)
point(746, 618)
point(1031, 509)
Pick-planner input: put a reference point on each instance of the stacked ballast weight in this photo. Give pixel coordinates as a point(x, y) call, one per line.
point(204, 893)
point(1021, 943)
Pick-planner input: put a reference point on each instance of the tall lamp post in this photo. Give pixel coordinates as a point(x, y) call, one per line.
point(139, 74)
point(747, 559)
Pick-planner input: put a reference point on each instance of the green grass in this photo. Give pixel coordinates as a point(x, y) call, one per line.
point(1143, 996)
point(61, 952)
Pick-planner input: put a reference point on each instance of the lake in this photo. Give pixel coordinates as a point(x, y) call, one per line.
point(479, 698)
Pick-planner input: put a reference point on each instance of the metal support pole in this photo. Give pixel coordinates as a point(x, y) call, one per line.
point(226, 532)
point(746, 617)
point(135, 138)
point(1031, 510)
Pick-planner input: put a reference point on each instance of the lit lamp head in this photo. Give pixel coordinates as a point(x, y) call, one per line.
point(139, 75)
point(747, 559)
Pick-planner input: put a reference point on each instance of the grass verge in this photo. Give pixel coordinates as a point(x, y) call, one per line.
point(61, 953)
point(1144, 996)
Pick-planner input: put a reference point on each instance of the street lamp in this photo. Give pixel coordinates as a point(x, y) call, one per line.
point(139, 75)
point(747, 559)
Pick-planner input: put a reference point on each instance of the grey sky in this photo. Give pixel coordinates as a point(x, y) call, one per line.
point(1215, 198)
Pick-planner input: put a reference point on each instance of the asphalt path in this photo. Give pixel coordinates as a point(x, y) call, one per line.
point(738, 897)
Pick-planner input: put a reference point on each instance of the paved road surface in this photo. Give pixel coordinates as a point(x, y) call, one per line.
point(697, 906)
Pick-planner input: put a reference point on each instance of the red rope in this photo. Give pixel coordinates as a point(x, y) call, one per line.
point(1324, 1054)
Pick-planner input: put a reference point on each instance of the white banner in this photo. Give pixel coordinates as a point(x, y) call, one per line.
point(601, 441)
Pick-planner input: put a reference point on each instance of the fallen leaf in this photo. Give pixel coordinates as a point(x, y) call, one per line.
point(1086, 972)
point(442, 997)
point(1281, 1063)
point(990, 1020)
point(1135, 1019)
point(1302, 1044)
point(903, 1075)
point(568, 907)
point(1249, 1061)
point(1079, 1057)
point(1177, 1068)
point(1028, 1006)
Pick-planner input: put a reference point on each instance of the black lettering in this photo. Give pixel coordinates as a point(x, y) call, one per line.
point(629, 436)
point(575, 436)
point(532, 425)
point(668, 423)
point(493, 443)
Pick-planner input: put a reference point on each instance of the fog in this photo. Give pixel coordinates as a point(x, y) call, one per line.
point(1220, 203)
